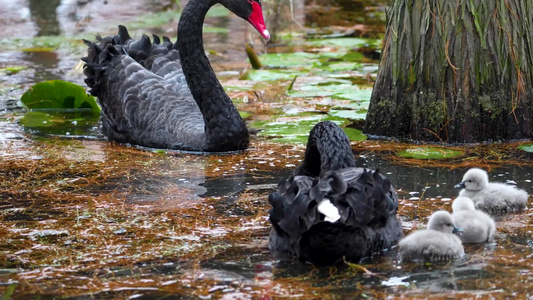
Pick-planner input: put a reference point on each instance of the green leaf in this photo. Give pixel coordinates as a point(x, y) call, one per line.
point(245, 114)
point(57, 94)
point(354, 134)
point(12, 70)
point(38, 49)
point(37, 119)
point(342, 42)
point(60, 122)
point(8, 294)
point(430, 153)
point(349, 114)
point(296, 129)
point(526, 147)
point(336, 91)
point(270, 75)
point(211, 29)
point(284, 60)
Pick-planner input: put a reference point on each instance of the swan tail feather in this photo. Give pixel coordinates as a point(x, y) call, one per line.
point(366, 204)
point(104, 54)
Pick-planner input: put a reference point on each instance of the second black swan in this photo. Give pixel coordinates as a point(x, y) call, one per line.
point(329, 209)
point(164, 94)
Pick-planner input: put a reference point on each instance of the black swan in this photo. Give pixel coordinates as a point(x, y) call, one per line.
point(329, 209)
point(166, 95)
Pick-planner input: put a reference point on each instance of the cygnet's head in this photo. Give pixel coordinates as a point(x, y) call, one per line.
point(474, 180)
point(462, 203)
point(442, 221)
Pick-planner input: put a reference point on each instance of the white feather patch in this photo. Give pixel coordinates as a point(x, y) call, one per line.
point(329, 210)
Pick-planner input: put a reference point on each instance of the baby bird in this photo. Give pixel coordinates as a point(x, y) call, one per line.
point(477, 226)
point(436, 243)
point(493, 198)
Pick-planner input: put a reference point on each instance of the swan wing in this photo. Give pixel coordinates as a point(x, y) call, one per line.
point(143, 93)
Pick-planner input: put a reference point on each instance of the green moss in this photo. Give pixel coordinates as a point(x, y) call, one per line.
point(430, 153)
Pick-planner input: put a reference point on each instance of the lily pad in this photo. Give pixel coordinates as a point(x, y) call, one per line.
point(342, 42)
point(12, 70)
point(211, 29)
point(354, 134)
point(336, 91)
point(341, 66)
point(61, 122)
point(349, 114)
point(152, 19)
point(57, 94)
point(38, 49)
point(245, 114)
point(430, 153)
point(526, 147)
point(296, 129)
point(271, 75)
point(283, 60)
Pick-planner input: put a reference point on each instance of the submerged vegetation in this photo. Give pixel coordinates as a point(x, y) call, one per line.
point(82, 216)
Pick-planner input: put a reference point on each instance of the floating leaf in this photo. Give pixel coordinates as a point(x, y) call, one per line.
point(12, 70)
point(270, 75)
point(349, 114)
point(353, 56)
point(61, 122)
point(57, 94)
point(296, 129)
point(211, 29)
point(37, 119)
point(341, 66)
point(430, 153)
point(354, 134)
point(284, 60)
point(153, 19)
point(526, 147)
point(38, 49)
point(342, 42)
point(336, 91)
point(245, 114)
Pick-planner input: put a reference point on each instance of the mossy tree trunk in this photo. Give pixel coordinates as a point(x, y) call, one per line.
point(455, 71)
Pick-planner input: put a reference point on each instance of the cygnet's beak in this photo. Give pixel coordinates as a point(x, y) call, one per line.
point(457, 230)
point(460, 185)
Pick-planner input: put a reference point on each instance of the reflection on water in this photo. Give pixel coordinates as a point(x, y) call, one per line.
point(44, 64)
point(44, 15)
point(438, 183)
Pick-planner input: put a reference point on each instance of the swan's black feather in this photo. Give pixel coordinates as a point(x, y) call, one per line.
point(141, 93)
point(145, 96)
point(365, 199)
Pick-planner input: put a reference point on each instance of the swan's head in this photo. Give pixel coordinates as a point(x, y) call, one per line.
point(442, 221)
point(462, 203)
point(474, 180)
point(251, 11)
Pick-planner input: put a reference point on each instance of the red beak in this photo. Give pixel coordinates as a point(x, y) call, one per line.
point(257, 21)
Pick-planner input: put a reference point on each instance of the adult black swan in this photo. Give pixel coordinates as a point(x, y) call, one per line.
point(329, 209)
point(166, 95)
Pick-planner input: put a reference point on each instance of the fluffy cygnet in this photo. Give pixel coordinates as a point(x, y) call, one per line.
point(494, 198)
point(436, 243)
point(477, 226)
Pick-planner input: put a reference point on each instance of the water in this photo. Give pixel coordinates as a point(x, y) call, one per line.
point(83, 217)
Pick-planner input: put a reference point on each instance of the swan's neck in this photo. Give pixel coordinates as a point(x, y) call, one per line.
point(328, 149)
point(224, 128)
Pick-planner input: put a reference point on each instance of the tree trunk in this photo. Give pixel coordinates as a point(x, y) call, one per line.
point(456, 71)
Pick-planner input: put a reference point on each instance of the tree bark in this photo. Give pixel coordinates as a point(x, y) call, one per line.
point(455, 71)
